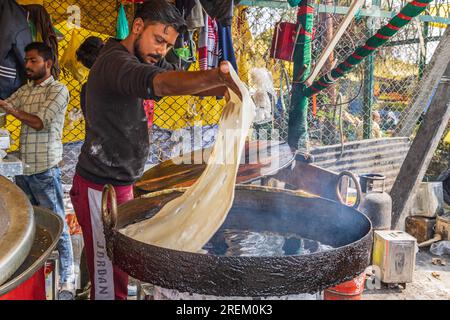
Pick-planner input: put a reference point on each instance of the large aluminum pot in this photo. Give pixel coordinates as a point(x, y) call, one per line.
point(17, 228)
point(49, 227)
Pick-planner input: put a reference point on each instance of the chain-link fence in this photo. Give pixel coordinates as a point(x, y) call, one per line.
point(385, 84)
point(382, 88)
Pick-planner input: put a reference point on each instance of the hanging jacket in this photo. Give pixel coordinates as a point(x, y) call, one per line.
point(185, 6)
point(195, 19)
point(222, 10)
point(44, 27)
point(226, 48)
point(192, 11)
point(15, 35)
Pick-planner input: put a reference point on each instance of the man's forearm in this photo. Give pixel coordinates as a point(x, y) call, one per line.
point(215, 92)
point(179, 83)
point(29, 119)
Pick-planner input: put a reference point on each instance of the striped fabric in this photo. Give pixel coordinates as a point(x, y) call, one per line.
point(8, 72)
point(208, 45)
point(41, 150)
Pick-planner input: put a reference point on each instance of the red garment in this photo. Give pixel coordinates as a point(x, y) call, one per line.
point(108, 281)
point(149, 106)
point(208, 45)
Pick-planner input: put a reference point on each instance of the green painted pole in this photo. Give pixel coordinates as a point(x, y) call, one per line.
point(369, 80)
point(411, 10)
point(298, 116)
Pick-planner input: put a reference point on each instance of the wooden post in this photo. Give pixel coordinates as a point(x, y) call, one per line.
point(421, 151)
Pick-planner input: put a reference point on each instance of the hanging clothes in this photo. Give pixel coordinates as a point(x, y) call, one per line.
point(196, 20)
point(69, 60)
point(226, 49)
point(45, 30)
point(122, 30)
point(222, 10)
point(15, 35)
point(185, 6)
point(192, 11)
point(208, 45)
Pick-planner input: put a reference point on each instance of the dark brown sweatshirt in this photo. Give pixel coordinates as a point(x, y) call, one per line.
point(117, 141)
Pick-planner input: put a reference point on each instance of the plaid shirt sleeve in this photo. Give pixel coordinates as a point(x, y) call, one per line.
point(55, 103)
point(14, 99)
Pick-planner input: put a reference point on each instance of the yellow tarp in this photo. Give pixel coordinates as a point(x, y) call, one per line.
point(73, 130)
point(27, 2)
point(447, 138)
point(441, 10)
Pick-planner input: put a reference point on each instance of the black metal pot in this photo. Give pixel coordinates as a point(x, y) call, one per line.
point(254, 209)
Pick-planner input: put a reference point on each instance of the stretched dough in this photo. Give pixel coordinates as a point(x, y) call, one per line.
point(188, 222)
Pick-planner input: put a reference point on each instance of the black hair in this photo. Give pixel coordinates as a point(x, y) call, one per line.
point(89, 50)
point(44, 50)
point(161, 11)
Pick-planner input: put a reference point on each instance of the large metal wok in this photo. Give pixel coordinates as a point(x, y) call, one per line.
point(48, 230)
point(254, 209)
point(17, 228)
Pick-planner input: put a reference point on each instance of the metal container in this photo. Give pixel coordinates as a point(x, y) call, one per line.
point(394, 252)
point(255, 209)
point(17, 228)
point(51, 225)
point(5, 140)
point(2, 119)
point(428, 200)
point(376, 204)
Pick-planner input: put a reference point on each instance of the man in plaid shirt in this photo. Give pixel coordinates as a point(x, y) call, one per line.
point(41, 106)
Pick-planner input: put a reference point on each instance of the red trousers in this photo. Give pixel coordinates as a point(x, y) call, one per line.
point(108, 282)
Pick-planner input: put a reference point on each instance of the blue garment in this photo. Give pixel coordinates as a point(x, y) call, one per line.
point(226, 50)
point(355, 107)
point(45, 190)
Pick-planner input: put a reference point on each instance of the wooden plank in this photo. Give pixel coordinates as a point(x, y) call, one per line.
point(421, 151)
point(355, 6)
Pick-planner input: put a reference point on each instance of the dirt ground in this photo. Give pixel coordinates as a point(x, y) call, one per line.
point(430, 282)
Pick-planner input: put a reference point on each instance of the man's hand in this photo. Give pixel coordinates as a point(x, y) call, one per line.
point(224, 73)
point(29, 119)
point(6, 106)
point(206, 83)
